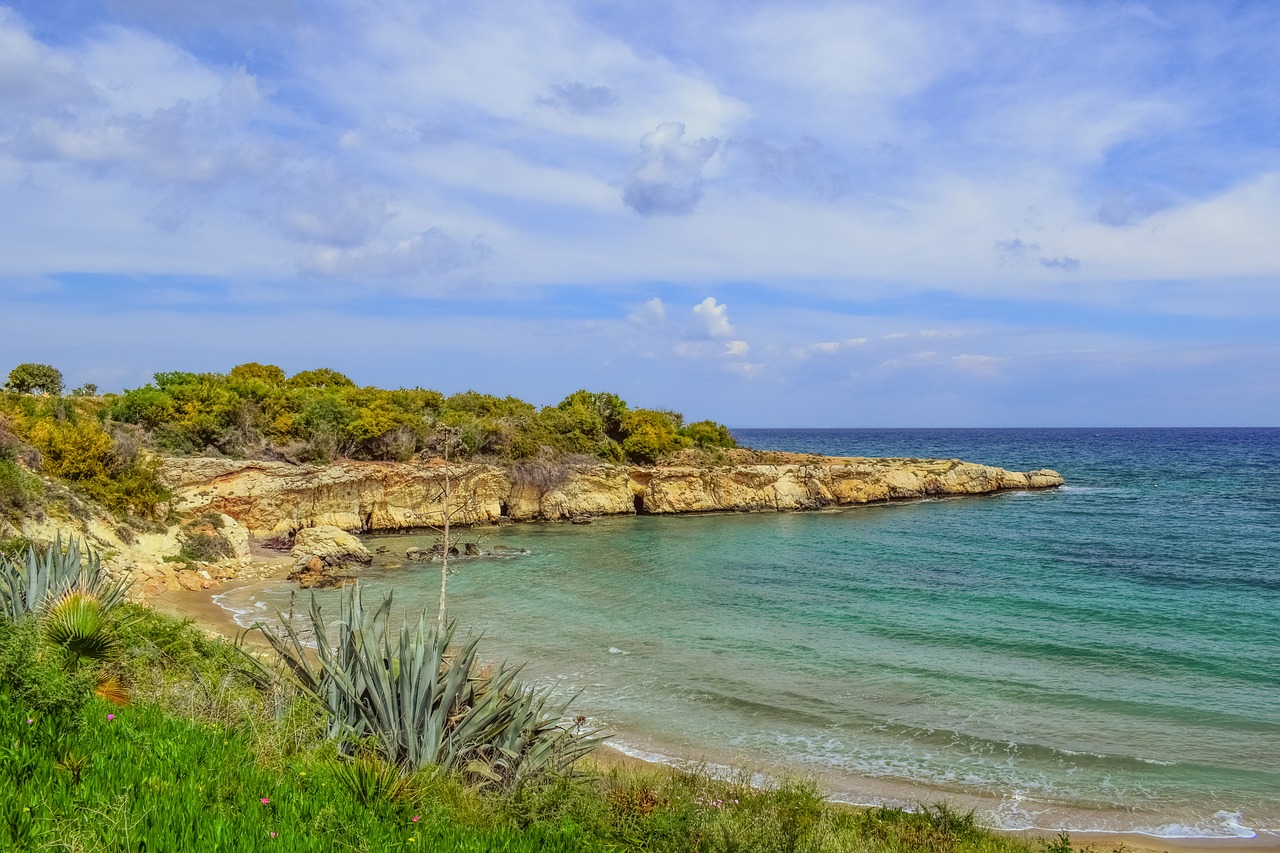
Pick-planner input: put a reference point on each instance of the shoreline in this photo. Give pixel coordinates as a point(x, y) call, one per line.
point(201, 607)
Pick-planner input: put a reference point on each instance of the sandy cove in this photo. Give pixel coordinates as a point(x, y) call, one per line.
point(200, 607)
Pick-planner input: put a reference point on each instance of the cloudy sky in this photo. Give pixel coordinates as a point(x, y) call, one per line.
point(974, 213)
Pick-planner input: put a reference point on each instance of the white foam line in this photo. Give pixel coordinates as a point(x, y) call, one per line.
point(1232, 828)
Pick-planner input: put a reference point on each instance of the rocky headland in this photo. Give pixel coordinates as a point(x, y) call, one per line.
point(231, 508)
point(278, 498)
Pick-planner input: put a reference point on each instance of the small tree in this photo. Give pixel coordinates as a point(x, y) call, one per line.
point(450, 442)
point(35, 379)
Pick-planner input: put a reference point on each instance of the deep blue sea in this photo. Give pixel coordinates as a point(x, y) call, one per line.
point(1104, 656)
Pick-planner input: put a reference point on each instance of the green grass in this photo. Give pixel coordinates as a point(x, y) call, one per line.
point(209, 756)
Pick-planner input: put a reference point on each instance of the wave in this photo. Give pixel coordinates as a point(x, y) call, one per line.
point(1015, 813)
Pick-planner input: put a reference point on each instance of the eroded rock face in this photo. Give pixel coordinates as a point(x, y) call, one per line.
point(271, 498)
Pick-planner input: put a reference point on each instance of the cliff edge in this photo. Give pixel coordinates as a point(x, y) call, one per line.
point(274, 498)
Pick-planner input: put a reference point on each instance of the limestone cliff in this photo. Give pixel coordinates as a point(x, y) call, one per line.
point(279, 498)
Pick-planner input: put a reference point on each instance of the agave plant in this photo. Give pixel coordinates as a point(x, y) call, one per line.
point(71, 598)
point(47, 574)
point(423, 702)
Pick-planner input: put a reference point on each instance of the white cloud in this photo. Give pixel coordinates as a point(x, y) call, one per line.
point(651, 315)
point(713, 317)
point(430, 255)
point(668, 178)
point(737, 349)
point(34, 77)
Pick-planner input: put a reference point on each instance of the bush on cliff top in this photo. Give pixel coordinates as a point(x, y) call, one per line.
point(95, 444)
point(318, 415)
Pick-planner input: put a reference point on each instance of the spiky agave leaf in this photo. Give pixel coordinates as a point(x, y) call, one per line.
point(77, 621)
point(27, 585)
point(422, 700)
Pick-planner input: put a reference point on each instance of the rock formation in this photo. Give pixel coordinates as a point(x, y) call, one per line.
point(319, 551)
point(273, 498)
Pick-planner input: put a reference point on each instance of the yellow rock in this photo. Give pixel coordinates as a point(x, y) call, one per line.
point(270, 498)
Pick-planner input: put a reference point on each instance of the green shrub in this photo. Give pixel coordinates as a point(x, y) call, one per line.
point(35, 379)
point(651, 434)
point(709, 434)
point(20, 491)
point(33, 672)
point(204, 547)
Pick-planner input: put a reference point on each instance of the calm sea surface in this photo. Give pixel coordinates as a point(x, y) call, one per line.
point(1101, 656)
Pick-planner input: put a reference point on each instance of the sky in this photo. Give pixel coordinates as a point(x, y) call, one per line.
point(859, 214)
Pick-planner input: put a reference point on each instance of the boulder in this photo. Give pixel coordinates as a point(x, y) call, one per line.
point(315, 574)
point(190, 581)
point(236, 537)
point(333, 545)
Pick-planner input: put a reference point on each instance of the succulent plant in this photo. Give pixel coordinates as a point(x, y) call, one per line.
point(28, 586)
point(423, 701)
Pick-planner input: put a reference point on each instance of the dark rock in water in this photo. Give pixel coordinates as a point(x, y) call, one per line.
point(471, 549)
point(316, 574)
point(580, 519)
point(381, 549)
point(418, 555)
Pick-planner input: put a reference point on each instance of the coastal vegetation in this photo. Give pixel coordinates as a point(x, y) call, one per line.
point(201, 745)
point(104, 447)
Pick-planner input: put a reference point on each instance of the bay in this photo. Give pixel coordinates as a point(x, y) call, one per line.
point(1103, 656)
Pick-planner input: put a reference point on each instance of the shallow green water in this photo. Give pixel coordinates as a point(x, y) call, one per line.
point(1102, 656)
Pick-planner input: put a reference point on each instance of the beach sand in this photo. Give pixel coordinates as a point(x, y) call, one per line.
point(200, 608)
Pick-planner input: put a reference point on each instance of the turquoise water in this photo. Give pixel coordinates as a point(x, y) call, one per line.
point(1101, 656)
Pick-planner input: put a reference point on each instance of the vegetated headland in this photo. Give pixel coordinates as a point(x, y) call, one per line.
point(170, 480)
point(124, 728)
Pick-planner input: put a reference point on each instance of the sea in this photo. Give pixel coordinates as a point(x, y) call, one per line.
point(1104, 656)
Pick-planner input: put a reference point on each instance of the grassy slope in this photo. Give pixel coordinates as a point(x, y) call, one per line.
point(187, 766)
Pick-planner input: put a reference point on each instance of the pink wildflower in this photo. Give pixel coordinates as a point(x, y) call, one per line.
point(415, 818)
point(265, 800)
point(110, 717)
point(30, 721)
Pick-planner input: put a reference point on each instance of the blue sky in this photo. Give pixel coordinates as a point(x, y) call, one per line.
point(772, 214)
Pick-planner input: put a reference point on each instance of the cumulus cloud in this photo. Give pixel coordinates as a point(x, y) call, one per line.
point(668, 178)
point(431, 254)
point(737, 349)
point(651, 315)
point(713, 317)
point(579, 98)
